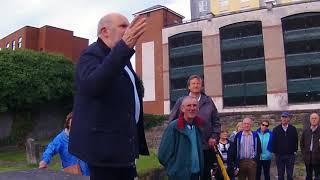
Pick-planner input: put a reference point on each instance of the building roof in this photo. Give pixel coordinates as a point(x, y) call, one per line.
point(157, 7)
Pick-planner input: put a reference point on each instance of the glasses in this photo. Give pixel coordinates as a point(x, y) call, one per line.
point(266, 125)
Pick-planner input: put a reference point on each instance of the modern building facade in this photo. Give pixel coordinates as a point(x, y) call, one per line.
point(200, 8)
point(47, 39)
point(227, 6)
point(258, 60)
point(149, 55)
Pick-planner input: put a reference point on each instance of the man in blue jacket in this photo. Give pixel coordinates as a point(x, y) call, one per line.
point(247, 149)
point(107, 130)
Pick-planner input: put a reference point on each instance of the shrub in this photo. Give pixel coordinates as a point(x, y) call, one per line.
point(152, 120)
point(31, 78)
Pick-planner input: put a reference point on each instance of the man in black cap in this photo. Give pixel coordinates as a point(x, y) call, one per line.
point(285, 146)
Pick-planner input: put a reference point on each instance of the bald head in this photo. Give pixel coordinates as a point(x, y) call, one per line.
point(108, 20)
point(111, 28)
point(189, 107)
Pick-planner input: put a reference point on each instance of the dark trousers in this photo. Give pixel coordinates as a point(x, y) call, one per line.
point(313, 168)
point(265, 164)
point(247, 169)
point(194, 176)
point(285, 163)
point(209, 161)
point(112, 173)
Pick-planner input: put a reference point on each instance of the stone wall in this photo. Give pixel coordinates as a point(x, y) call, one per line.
point(229, 120)
point(296, 117)
point(6, 120)
point(48, 122)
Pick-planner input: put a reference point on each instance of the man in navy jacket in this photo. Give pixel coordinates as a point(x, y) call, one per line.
point(285, 146)
point(107, 129)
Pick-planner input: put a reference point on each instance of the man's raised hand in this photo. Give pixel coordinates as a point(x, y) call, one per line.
point(136, 28)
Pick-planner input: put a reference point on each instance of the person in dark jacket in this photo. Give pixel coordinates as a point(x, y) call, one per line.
point(247, 148)
point(310, 147)
point(107, 130)
point(285, 146)
point(264, 162)
point(180, 149)
point(207, 112)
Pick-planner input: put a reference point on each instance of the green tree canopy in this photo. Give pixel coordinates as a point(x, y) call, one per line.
point(29, 78)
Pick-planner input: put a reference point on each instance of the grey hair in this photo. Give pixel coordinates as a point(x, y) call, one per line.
point(187, 98)
point(105, 21)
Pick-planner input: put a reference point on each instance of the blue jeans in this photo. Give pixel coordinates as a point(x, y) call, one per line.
point(285, 163)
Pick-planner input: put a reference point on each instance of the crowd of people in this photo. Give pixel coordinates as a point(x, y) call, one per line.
point(245, 154)
point(107, 133)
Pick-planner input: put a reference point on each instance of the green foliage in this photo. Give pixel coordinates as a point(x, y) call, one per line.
point(31, 78)
point(152, 120)
point(147, 163)
point(22, 125)
point(13, 155)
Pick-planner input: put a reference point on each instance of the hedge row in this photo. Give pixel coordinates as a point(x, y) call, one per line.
point(30, 78)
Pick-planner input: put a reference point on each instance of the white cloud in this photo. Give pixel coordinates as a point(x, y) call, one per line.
point(79, 16)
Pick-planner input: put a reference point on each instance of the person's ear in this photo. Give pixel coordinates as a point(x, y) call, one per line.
point(182, 108)
point(105, 32)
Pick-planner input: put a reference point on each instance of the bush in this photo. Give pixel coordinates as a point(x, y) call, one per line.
point(152, 120)
point(31, 78)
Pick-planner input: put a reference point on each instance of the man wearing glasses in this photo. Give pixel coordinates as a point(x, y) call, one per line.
point(285, 146)
point(264, 162)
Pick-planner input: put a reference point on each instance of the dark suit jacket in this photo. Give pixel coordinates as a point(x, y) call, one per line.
point(104, 131)
point(284, 143)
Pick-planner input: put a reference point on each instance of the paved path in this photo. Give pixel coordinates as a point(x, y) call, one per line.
point(40, 174)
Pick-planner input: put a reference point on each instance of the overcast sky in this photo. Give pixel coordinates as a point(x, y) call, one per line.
point(79, 16)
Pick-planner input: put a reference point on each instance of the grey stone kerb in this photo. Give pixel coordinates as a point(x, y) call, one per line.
point(40, 174)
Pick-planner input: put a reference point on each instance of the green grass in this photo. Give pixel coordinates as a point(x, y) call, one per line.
point(147, 163)
point(15, 159)
point(13, 156)
point(17, 168)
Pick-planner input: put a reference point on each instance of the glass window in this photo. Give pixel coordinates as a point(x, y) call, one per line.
point(20, 42)
point(242, 29)
point(185, 39)
point(301, 21)
point(13, 45)
point(243, 69)
point(302, 73)
point(223, 3)
point(185, 59)
point(8, 45)
point(203, 6)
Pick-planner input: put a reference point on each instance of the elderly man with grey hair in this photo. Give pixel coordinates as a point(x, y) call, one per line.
point(180, 150)
point(107, 129)
point(247, 150)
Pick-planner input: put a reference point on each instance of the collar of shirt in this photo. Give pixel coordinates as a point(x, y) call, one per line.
point(198, 97)
point(249, 134)
point(285, 127)
point(189, 126)
point(313, 128)
point(67, 131)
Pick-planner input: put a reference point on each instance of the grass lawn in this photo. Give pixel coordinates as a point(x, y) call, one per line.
point(147, 163)
point(15, 159)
